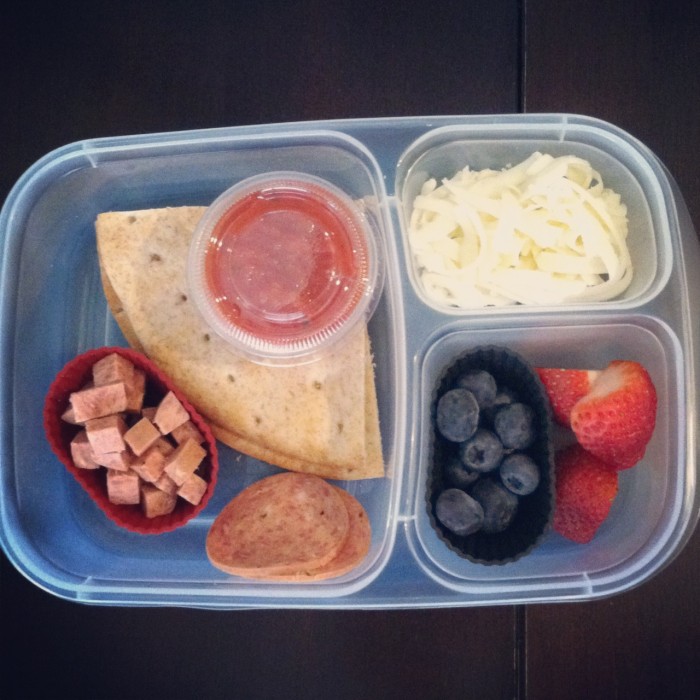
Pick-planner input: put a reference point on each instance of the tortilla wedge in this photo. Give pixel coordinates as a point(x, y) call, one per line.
point(320, 418)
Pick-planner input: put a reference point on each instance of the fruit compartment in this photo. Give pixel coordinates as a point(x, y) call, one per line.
point(643, 519)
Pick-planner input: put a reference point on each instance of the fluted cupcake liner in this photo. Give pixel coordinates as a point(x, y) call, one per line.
point(535, 511)
point(59, 433)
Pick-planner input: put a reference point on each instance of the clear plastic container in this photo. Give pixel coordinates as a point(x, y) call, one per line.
point(53, 308)
point(283, 265)
point(444, 151)
point(625, 542)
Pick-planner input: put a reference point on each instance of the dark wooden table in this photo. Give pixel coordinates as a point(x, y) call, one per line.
point(71, 71)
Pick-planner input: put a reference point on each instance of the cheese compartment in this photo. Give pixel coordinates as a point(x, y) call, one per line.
point(443, 152)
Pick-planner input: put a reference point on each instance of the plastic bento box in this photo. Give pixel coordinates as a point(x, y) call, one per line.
point(53, 308)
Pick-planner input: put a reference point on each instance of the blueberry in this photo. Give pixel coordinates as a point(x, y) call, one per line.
point(482, 452)
point(519, 474)
point(498, 503)
point(458, 474)
point(504, 397)
point(514, 424)
point(457, 415)
point(458, 512)
point(482, 384)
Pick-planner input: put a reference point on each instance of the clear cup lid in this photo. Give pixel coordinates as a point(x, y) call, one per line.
point(283, 265)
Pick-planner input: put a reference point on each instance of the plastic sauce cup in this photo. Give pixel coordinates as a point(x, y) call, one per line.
point(282, 266)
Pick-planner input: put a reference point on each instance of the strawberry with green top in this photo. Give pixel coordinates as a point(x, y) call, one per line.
point(585, 490)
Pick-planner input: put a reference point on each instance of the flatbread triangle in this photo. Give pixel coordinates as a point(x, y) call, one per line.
point(319, 418)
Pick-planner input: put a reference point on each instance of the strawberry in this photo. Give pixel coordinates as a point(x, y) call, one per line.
point(564, 388)
point(585, 490)
point(616, 418)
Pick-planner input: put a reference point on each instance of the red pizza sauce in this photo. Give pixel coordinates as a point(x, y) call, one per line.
point(287, 261)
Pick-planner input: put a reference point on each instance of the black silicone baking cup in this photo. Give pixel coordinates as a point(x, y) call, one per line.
point(535, 512)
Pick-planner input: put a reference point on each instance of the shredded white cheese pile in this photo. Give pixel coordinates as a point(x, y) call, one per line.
point(546, 231)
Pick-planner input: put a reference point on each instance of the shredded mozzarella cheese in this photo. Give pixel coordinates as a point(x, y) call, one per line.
point(545, 231)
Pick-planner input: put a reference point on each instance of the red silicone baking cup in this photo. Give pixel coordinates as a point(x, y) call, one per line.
point(59, 434)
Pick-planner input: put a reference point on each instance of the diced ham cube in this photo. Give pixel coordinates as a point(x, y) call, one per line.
point(82, 452)
point(98, 401)
point(150, 465)
point(184, 460)
point(106, 434)
point(119, 461)
point(149, 412)
point(164, 446)
point(151, 458)
point(155, 502)
point(141, 436)
point(135, 391)
point(69, 416)
point(193, 489)
point(170, 414)
point(112, 368)
point(123, 488)
point(187, 430)
point(165, 483)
